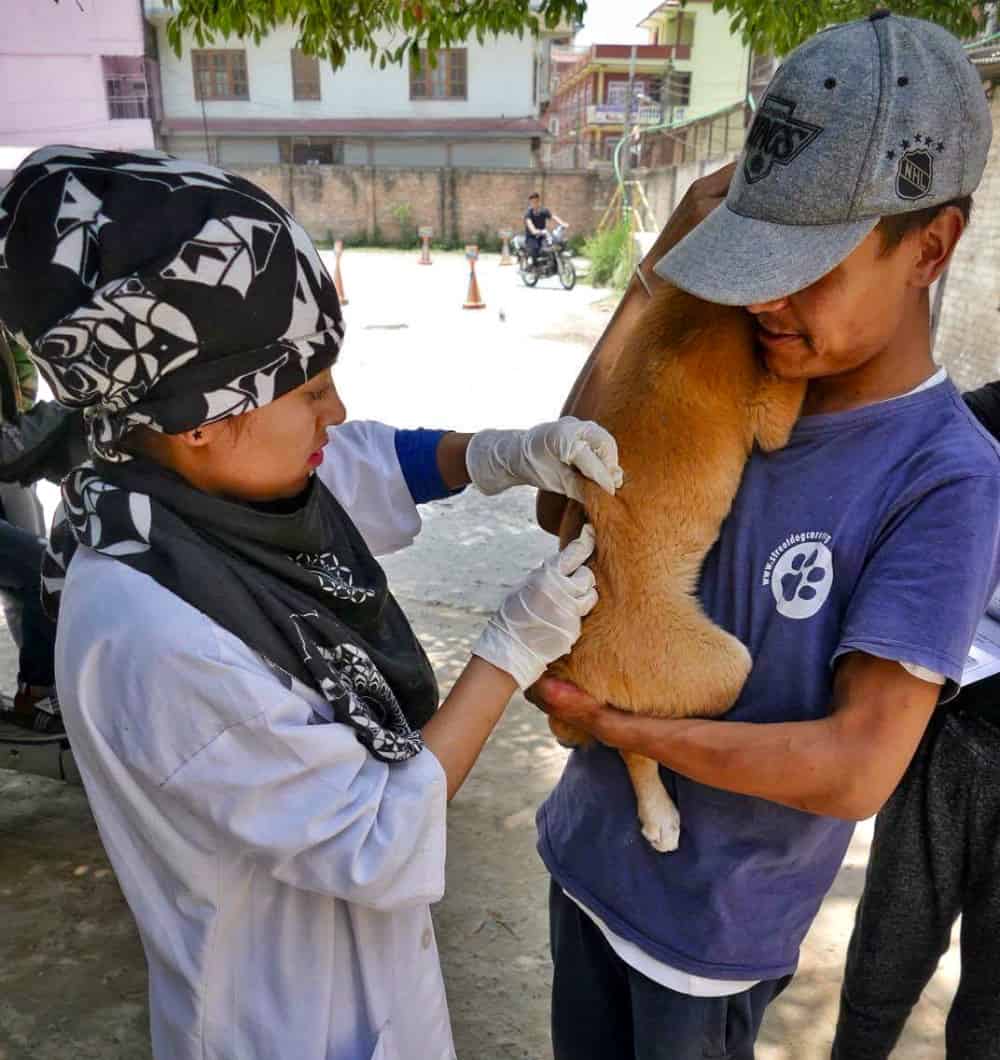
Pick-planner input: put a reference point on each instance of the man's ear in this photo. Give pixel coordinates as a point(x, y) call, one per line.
point(936, 243)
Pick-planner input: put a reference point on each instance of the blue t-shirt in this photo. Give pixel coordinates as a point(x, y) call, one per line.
point(874, 530)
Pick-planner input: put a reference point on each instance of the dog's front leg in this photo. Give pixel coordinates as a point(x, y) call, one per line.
point(774, 409)
point(661, 823)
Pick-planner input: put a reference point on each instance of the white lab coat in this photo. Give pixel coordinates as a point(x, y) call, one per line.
point(279, 874)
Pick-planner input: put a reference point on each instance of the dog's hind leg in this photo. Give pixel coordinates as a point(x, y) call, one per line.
point(661, 823)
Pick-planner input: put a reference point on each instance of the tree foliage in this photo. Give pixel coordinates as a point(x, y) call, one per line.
point(768, 25)
point(387, 30)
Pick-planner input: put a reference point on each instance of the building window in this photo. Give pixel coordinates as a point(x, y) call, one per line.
point(305, 75)
point(617, 92)
point(125, 86)
point(678, 30)
point(447, 80)
point(220, 74)
point(675, 90)
point(311, 150)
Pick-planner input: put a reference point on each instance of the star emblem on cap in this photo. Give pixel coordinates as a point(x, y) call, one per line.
point(940, 146)
point(918, 138)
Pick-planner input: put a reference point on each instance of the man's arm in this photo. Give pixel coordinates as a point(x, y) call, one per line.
point(701, 198)
point(559, 221)
point(844, 765)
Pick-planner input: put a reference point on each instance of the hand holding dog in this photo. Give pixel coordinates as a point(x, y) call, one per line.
point(540, 621)
point(551, 456)
point(570, 704)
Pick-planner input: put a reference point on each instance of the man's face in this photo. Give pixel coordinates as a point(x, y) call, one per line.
point(534, 202)
point(841, 321)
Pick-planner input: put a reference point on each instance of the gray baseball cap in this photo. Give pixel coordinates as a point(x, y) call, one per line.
point(881, 116)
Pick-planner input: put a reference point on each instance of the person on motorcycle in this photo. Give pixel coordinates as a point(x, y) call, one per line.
point(535, 222)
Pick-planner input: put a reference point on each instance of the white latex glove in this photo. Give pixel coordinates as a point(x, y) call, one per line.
point(548, 456)
point(539, 622)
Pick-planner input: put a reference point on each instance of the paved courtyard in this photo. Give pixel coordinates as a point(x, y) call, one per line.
point(72, 976)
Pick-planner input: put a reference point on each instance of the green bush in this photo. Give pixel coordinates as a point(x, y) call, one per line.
point(486, 242)
point(610, 254)
point(408, 234)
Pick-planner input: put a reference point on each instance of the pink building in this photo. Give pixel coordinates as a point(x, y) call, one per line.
point(74, 74)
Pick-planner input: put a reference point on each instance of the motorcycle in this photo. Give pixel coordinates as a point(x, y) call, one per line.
point(554, 259)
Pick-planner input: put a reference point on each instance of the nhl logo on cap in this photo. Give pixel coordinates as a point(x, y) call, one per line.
point(775, 136)
point(915, 174)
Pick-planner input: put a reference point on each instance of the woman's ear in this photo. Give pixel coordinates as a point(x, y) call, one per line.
point(936, 244)
point(199, 437)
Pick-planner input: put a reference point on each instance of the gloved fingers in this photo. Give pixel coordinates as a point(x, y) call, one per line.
point(577, 552)
point(582, 580)
point(594, 452)
point(601, 440)
point(591, 465)
point(586, 603)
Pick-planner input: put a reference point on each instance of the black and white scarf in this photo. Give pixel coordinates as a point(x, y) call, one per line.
point(298, 586)
point(169, 294)
point(159, 292)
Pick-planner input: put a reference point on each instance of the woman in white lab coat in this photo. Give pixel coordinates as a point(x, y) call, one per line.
point(253, 718)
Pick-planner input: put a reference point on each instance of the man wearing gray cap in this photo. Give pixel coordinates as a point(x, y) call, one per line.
point(855, 563)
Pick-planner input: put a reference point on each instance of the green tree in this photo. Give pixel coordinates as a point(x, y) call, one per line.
point(387, 30)
point(769, 25)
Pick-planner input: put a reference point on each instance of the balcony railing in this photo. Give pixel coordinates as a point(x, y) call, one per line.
point(568, 62)
point(612, 114)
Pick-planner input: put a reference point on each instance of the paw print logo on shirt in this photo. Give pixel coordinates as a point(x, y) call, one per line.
point(802, 579)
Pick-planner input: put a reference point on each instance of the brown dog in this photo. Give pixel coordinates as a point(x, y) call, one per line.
point(686, 400)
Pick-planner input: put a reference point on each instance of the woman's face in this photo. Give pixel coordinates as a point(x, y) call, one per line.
point(267, 454)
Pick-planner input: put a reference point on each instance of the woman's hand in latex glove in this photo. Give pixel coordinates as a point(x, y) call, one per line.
point(539, 622)
point(551, 456)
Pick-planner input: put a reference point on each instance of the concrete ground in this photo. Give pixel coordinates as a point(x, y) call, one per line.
point(72, 975)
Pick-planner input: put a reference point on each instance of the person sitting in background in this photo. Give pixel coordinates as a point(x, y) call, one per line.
point(35, 704)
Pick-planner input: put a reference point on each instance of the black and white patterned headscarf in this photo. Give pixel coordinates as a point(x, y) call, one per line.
point(159, 292)
point(168, 294)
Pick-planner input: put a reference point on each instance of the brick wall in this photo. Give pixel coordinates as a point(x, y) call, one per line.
point(350, 202)
point(968, 335)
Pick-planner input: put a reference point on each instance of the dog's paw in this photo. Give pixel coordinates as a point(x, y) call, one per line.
point(661, 823)
point(567, 736)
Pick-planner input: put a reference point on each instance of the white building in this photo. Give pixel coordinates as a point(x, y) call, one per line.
point(73, 74)
point(234, 102)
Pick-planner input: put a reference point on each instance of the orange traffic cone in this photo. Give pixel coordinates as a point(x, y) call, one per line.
point(504, 234)
point(338, 281)
point(425, 250)
point(473, 300)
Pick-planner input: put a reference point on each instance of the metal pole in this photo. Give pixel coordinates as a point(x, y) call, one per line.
point(938, 305)
point(204, 119)
point(747, 95)
point(626, 133)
